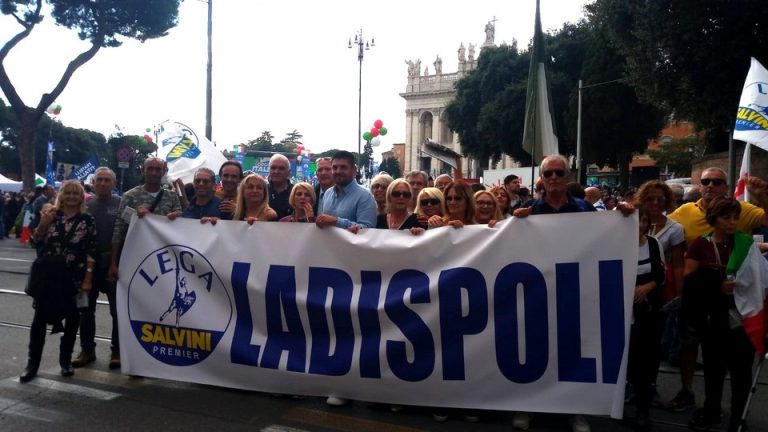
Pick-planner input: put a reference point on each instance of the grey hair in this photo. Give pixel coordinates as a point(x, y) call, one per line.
point(206, 170)
point(279, 157)
point(108, 170)
point(556, 157)
point(423, 175)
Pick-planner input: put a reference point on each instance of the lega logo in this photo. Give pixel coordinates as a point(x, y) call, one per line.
point(178, 306)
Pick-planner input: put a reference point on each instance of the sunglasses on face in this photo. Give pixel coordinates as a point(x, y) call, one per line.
point(429, 202)
point(454, 198)
point(558, 173)
point(715, 182)
point(398, 194)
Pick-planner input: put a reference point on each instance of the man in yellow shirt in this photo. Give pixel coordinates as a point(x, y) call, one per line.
point(691, 216)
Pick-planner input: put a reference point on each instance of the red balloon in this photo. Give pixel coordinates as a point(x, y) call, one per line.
point(378, 124)
point(148, 138)
point(375, 132)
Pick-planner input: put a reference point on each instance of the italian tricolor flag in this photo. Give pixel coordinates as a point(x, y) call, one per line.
point(751, 270)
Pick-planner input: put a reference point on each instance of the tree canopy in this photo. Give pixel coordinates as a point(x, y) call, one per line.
point(687, 56)
point(101, 22)
point(489, 108)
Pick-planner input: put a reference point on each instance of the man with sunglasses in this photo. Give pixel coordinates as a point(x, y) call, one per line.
point(554, 176)
point(555, 199)
point(714, 184)
point(205, 203)
point(692, 216)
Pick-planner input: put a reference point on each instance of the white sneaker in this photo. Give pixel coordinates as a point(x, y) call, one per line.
point(336, 401)
point(521, 421)
point(579, 424)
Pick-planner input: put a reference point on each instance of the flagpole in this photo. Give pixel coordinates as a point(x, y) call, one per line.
point(578, 138)
point(731, 163)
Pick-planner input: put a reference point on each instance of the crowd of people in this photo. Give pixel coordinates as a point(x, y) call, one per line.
point(683, 296)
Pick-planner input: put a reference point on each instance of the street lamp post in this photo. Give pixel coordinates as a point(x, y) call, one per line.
point(578, 125)
point(209, 77)
point(362, 45)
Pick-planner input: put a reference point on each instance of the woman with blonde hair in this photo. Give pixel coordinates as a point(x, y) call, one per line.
point(302, 200)
point(503, 199)
point(66, 237)
point(379, 186)
point(460, 205)
point(397, 217)
point(253, 200)
point(486, 208)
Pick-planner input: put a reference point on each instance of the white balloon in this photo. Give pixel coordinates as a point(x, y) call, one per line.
point(298, 158)
point(376, 141)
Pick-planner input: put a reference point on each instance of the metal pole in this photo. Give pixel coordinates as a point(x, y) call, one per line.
point(731, 163)
point(208, 88)
point(360, 99)
point(578, 139)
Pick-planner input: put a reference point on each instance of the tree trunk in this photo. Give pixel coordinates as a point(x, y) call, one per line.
point(27, 133)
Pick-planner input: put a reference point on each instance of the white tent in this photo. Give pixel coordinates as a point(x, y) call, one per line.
point(9, 185)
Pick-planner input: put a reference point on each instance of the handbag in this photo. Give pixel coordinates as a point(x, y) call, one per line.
point(53, 266)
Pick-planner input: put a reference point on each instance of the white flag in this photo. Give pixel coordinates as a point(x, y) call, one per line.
point(752, 117)
point(185, 151)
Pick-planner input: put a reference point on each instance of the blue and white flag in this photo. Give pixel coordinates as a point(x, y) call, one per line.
point(50, 172)
point(185, 151)
point(85, 169)
point(752, 117)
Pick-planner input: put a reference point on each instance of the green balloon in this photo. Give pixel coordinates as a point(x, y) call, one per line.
point(382, 131)
point(367, 136)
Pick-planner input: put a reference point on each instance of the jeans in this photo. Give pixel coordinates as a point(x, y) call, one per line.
point(88, 315)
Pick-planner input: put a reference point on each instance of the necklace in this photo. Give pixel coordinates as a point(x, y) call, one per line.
point(395, 223)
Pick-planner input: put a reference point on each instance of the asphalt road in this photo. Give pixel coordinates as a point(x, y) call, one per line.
point(97, 398)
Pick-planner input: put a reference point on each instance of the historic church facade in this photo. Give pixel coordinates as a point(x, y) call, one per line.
point(426, 97)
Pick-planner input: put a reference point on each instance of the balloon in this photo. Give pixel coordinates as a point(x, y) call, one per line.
point(378, 124)
point(382, 131)
point(148, 130)
point(367, 136)
point(54, 109)
point(148, 138)
point(374, 132)
point(376, 141)
point(298, 158)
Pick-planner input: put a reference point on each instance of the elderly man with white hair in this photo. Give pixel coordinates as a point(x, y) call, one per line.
point(555, 200)
point(280, 185)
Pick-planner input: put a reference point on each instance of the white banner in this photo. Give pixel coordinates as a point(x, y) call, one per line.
point(532, 315)
point(752, 117)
